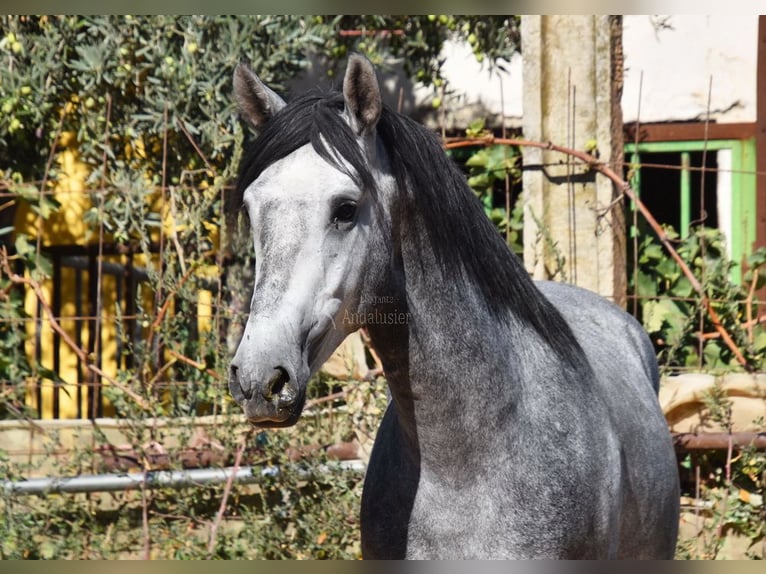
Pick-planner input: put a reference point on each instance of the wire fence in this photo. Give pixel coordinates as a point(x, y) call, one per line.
point(80, 323)
point(117, 351)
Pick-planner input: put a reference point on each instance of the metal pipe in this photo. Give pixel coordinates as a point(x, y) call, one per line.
point(155, 479)
point(718, 440)
point(250, 475)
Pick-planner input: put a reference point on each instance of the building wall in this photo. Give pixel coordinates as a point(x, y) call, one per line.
point(669, 62)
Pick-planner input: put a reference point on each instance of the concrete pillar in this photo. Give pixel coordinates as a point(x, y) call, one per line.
point(574, 230)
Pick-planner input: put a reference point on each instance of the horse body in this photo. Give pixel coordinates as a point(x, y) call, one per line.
point(523, 419)
point(516, 459)
point(499, 466)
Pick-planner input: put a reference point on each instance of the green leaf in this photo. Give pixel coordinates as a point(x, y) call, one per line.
point(682, 288)
point(476, 128)
point(27, 192)
point(664, 314)
point(689, 355)
point(481, 181)
point(46, 207)
point(653, 318)
point(712, 354)
point(757, 258)
point(759, 340)
point(49, 374)
point(646, 285)
point(668, 269)
point(479, 159)
point(651, 252)
point(670, 232)
point(23, 247)
point(497, 157)
point(44, 265)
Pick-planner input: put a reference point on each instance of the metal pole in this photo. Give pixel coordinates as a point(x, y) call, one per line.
point(154, 479)
point(718, 440)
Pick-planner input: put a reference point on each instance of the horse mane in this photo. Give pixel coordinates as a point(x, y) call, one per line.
point(462, 237)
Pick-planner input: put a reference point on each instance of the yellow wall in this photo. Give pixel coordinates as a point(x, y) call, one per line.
point(63, 227)
point(67, 227)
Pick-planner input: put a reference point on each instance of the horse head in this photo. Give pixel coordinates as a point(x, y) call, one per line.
point(309, 188)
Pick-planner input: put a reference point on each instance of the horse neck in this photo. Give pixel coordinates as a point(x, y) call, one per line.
point(450, 365)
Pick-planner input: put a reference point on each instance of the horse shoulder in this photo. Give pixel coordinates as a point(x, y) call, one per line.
point(612, 339)
point(627, 377)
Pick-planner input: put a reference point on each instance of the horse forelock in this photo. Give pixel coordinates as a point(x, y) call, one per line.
point(316, 119)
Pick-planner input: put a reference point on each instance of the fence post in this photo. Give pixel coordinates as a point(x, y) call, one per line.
point(574, 227)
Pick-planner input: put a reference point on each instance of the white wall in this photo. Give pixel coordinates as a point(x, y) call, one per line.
point(677, 56)
point(473, 91)
point(678, 62)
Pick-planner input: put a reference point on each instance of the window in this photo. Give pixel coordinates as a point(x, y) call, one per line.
point(696, 182)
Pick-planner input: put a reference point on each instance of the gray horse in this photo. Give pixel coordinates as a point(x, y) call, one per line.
point(523, 420)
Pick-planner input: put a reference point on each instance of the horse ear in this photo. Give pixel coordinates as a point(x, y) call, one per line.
point(256, 101)
point(362, 95)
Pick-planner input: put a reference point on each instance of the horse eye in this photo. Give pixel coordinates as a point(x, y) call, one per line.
point(344, 213)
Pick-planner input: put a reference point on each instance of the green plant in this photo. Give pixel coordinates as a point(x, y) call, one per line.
point(728, 495)
point(494, 174)
point(672, 311)
point(417, 40)
point(146, 106)
point(304, 508)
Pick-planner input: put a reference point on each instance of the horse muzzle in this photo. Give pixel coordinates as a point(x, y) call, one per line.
point(274, 399)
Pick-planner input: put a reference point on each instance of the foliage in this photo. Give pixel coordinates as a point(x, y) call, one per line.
point(731, 507)
point(729, 490)
point(494, 174)
point(672, 312)
point(13, 361)
point(136, 97)
point(417, 41)
point(121, 76)
point(144, 103)
point(298, 509)
point(726, 489)
point(117, 78)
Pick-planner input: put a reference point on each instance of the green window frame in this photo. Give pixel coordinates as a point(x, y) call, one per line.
point(740, 229)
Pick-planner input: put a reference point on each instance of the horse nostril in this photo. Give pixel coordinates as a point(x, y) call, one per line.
point(236, 384)
point(276, 383)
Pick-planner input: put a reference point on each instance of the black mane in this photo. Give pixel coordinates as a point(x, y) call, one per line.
point(461, 236)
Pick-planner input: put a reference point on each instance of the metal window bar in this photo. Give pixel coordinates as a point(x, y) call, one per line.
point(686, 195)
point(635, 184)
point(83, 261)
point(56, 338)
point(78, 338)
point(95, 408)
